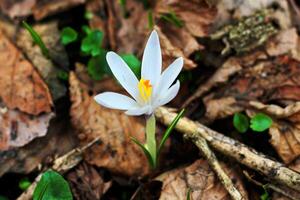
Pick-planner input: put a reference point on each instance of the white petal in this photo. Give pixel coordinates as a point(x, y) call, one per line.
point(152, 60)
point(168, 95)
point(169, 75)
point(123, 74)
point(115, 101)
point(137, 111)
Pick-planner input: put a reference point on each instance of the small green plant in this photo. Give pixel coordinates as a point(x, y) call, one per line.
point(52, 186)
point(24, 183)
point(172, 18)
point(68, 35)
point(259, 122)
point(240, 122)
point(36, 38)
point(91, 44)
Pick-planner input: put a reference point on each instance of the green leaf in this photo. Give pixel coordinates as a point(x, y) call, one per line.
point(188, 195)
point(88, 15)
point(150, 138)
point(146, 152)
point(24, 184)
point(260, 122)
point(86, 29)
point(36, 38)
point(172, 18)
point(52, 186)
point(68, 35)
point(97, 66)
point(91, 44)
point(240, 122)
point(134, 63)
point(169, 130)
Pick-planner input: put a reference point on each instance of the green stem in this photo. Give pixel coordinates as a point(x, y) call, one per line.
point(150, 138)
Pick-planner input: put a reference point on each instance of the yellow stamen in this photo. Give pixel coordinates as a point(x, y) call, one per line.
point(145, 89)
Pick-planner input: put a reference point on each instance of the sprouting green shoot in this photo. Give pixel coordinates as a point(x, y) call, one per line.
point(240, 122)
point(68, 35)
point(24, 183)
point(188, 195)
point(36, 38)
point(172, 18)
point(88, 15)
point(260, 122)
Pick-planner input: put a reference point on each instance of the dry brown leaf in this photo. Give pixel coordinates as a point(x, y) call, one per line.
point(87, 183)
point(21, 86)
point(201, 180)
point(51, 37)
point(285, 129)
point(17, 8)
point(45, 8)
point(18, 129)
point(116, 151)
point(59, 140)
point(267, 80)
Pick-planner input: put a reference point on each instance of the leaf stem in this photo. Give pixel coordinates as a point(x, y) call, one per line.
point(150, 138)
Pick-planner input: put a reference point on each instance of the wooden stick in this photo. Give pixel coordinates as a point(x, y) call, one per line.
point(234, 149)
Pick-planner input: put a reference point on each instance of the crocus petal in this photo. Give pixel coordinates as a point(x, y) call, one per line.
point(115, 101)
point(169, 76)
point(152, 60)
point(123, 74)
point(170, 94)
point(137, 111)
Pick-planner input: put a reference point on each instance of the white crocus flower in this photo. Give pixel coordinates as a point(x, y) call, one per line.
point(153, 90)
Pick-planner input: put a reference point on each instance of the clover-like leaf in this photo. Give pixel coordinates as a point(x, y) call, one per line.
point(52, 186)
point(134, 63)
point(68, 35)
point(91, 44)
point(260, 122)
point(240, 122)
point(97, 66)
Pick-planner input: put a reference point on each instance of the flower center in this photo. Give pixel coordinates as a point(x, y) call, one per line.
point(145, 89)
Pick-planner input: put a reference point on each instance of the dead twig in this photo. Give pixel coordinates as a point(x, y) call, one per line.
point(241, 153)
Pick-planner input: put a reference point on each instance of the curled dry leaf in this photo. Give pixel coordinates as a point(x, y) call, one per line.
point(285, 129)
point(18, 129)
point(45, 8)
point(200, 180)
point(51, 37)
point(115, 151)
point(87, 183)
point(21, 86)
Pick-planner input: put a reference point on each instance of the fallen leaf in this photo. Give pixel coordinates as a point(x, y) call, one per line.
point(116, 151)
point(46, 8)
point(285, 129)
point(21, 86)
point(59, 140)
point(18, 129)
point(17, 8)
point(200, 180)
point(87, 183)
point(50, 35)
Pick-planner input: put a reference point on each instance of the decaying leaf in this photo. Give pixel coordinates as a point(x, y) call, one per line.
point(17, 8)
point(18, 129)
point(21, 86)
point(87, 183)
point(200, 180)
point(59, 140)
point(285, 129)
point(115, 151)
point(51, 37)
point(45, 8)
